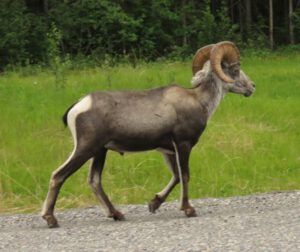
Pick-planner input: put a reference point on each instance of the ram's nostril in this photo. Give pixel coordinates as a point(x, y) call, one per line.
point(253, 85)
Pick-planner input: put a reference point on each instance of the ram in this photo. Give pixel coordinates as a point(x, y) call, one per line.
point(167, 119)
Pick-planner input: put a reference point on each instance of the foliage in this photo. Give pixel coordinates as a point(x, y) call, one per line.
point(14, 28)
point(57, 64)
point(296, 20)
point(132, 30)
point(88, 24)
point(214, 28)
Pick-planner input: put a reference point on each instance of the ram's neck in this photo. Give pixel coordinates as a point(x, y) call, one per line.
point(210, 94)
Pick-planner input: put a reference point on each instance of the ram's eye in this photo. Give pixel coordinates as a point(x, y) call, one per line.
point(236, 72)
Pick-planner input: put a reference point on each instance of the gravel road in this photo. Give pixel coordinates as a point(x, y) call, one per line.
point(264, 222)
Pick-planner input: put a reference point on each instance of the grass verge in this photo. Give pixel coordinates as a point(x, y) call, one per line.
point(250, 145)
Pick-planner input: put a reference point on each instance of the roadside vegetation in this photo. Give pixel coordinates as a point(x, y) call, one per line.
point(250, 145)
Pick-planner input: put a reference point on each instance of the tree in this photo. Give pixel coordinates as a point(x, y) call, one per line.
point(248, 18)
point(139, 28)
point(13, 32)
point(291, 26)
point(271, 24)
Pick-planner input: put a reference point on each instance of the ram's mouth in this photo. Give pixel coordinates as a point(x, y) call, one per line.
point(248, 93)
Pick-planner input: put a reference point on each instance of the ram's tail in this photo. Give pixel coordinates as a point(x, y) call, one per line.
point(65, 116)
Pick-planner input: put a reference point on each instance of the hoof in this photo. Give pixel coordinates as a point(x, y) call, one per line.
point(117, 216)
point(51, 221)
point(155, 204)
point(190, 212)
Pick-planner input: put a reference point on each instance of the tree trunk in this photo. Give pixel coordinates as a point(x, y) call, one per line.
point(291, 26)
point(240, 4)
point(248, 18)
point(231, 11)
point(183, 19)
point(46, 6)
point(271, 24)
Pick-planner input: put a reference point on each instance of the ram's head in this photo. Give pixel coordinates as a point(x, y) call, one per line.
point(222, 60)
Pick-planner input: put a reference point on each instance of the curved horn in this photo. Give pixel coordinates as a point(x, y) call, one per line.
point(201, 56)
point(223, 51)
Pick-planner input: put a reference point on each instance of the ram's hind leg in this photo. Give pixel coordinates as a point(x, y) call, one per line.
point(95, 182)
point(59, 176)
point(161, 196)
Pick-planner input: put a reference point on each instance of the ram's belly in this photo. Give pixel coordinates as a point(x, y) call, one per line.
point(136, 142)
point(122, 148)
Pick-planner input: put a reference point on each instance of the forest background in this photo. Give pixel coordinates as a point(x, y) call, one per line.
point(38, 31)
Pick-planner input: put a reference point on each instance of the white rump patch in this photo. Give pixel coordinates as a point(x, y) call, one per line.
point(82, 106)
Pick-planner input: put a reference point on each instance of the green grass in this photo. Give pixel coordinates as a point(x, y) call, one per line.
point(250, 145)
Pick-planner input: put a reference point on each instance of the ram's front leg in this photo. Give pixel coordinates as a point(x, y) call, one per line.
point(161, 196)
point(183, 151)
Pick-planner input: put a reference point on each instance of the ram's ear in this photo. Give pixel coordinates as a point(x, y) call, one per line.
point(198, 77)
point(235, 65)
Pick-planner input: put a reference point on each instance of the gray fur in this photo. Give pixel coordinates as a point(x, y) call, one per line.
point(169, 119)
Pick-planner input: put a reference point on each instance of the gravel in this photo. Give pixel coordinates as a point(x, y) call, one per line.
point(264, 222)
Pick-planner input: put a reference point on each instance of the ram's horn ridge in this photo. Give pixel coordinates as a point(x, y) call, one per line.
point(223, 51)
point(201, 56)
